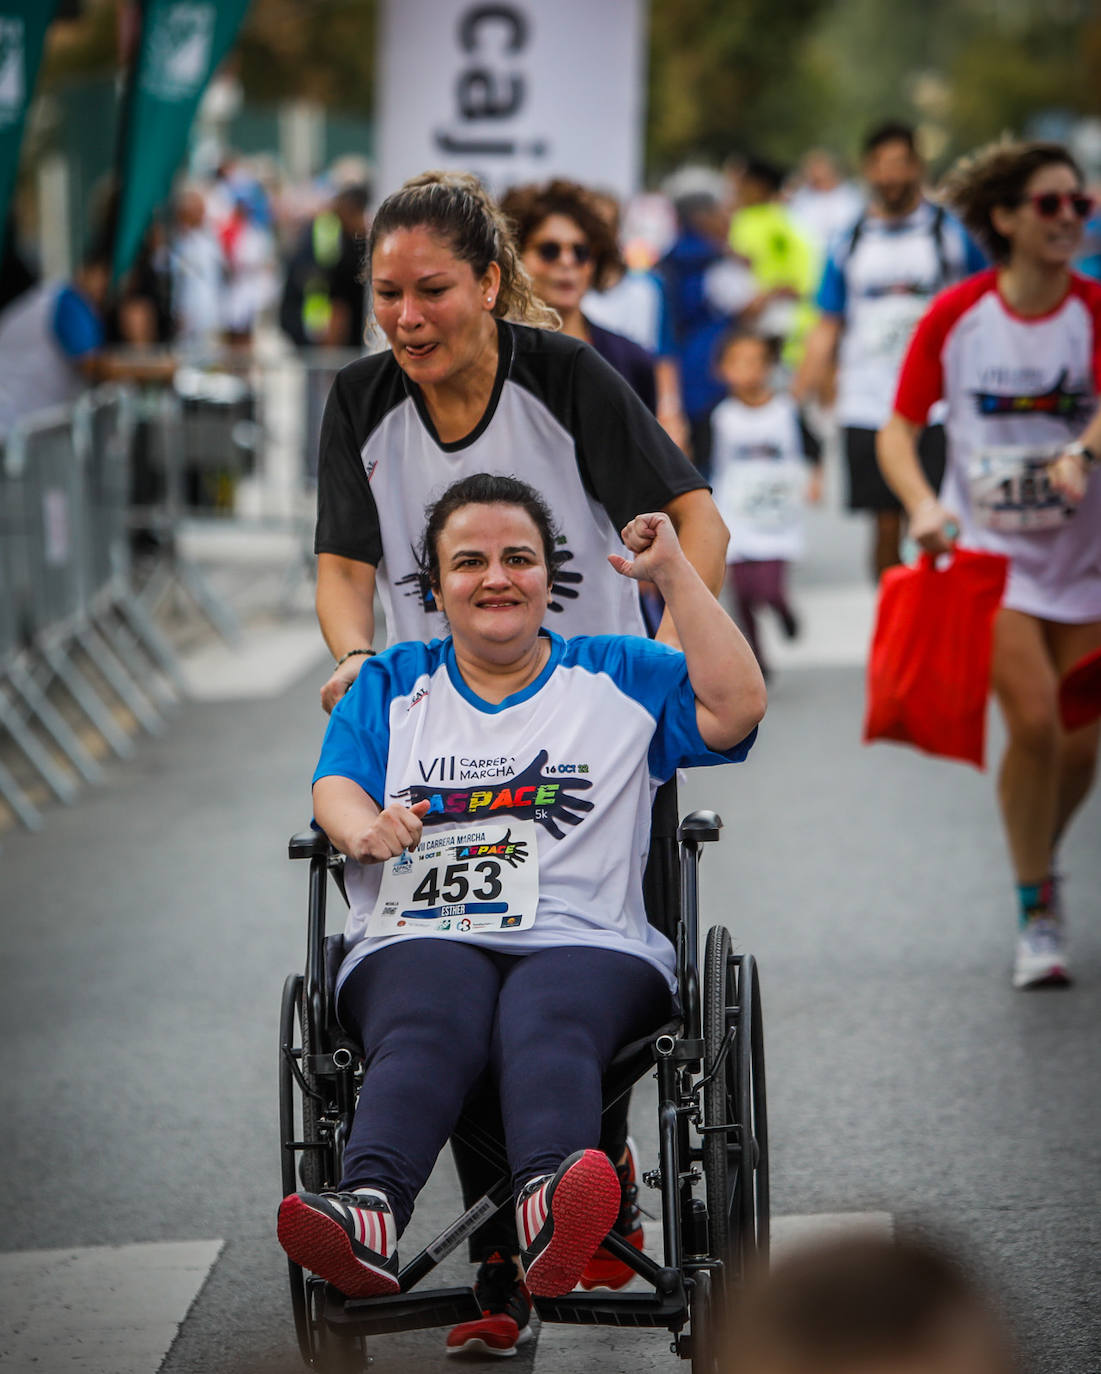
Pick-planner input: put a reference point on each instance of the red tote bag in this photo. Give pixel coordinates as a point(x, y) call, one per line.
point(929, 669)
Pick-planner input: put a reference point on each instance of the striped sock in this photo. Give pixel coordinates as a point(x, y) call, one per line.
point(531, 1209)
point(374, 1220)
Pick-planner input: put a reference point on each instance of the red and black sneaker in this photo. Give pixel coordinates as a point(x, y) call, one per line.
point(348, 1239)
point(506, 1311)
point(562, 1218)
point(604, 1270)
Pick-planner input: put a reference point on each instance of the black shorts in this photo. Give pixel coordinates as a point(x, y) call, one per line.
point(867, 489)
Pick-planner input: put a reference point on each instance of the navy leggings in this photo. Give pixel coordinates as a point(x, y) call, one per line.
point(434, 1016)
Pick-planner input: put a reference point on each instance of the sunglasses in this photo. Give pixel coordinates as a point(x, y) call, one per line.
point(1047, 204)
point(549, 251)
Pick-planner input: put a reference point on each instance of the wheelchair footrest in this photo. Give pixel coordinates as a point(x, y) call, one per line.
point(614, 1309)
point(403, 1312)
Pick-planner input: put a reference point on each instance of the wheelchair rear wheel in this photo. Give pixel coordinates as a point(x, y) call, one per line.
point(735, 1149)
point(301, 1129)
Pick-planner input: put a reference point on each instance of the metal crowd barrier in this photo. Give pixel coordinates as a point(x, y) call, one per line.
point(316, 371)
point(82, 486)
point(70, 617)
point(234, 441)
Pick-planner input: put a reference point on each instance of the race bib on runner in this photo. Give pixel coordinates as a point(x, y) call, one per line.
point(465, 880)
point(889, 322)
point(766, 495)
point(1011, 490)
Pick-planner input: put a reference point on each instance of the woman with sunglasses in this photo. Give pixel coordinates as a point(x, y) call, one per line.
point(1016, 352)
point(568, 247)
point(468, 385)
point(567, 243)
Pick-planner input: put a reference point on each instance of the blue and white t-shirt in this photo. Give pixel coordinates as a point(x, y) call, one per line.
point(568, 767)
point(44, 335)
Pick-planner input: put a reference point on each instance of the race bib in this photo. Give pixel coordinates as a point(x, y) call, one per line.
point(465, 880)
point(766, 495)
point(889, 322)
point(1011, 490)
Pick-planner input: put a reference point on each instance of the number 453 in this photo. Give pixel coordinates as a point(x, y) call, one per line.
point(456, 886)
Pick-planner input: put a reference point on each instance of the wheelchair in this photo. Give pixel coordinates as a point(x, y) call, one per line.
point(712, 1167)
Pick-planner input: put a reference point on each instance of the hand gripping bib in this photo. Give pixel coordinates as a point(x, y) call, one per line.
point(461, 881)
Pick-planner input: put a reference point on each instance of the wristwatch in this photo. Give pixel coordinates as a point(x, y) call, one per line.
point(1082, 451)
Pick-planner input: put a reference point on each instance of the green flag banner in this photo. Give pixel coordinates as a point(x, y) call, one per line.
point(182, 42)
point(23, 25)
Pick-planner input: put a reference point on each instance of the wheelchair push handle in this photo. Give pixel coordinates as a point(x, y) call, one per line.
point(700, 827)
point(309, 844)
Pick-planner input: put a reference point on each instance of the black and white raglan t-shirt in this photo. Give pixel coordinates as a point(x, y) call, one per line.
point(559, 418)
point(539, 806)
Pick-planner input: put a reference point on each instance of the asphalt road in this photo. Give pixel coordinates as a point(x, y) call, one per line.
point(148, 930)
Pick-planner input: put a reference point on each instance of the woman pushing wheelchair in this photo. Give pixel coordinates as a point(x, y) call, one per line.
point(492, 792)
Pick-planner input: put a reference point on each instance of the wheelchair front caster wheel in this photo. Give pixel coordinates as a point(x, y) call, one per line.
point(702, 1330)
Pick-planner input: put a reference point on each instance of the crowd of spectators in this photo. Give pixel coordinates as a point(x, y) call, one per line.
point(713, 249)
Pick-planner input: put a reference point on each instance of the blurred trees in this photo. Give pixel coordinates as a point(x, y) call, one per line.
point(320, 50)
point(726, 76)
point(736, 75)
point(720, 76)
point(323, 51)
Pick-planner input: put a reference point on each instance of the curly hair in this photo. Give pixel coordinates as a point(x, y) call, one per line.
point(526, 207)
point(997, 176)
point(458, 208)
point(486, 489)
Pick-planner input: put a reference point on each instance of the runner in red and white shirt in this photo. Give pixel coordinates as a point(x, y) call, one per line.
point(1016, 353)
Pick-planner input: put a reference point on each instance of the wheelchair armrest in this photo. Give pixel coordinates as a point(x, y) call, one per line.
point(309, 844)
point(701, 827)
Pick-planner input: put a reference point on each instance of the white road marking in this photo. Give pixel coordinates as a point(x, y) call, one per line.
point(789, 1233)
point(112, 1309)
point(581, 1349)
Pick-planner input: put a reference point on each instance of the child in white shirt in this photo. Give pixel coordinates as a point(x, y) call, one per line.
point(760, 449)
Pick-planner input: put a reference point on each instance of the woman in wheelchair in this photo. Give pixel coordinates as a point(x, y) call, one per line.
point(492, 792)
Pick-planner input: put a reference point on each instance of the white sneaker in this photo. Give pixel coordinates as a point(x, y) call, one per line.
point(1041, 959)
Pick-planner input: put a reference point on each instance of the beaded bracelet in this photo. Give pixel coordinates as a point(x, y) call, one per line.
point(370, 653)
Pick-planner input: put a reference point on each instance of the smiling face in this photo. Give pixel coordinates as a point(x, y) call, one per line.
point(563, 280)
point(1046, 240)
point(494, 585)
point(435, 313)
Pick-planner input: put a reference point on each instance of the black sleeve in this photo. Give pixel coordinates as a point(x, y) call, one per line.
point(812, 445)
point(626, 459)
point(347, 518)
